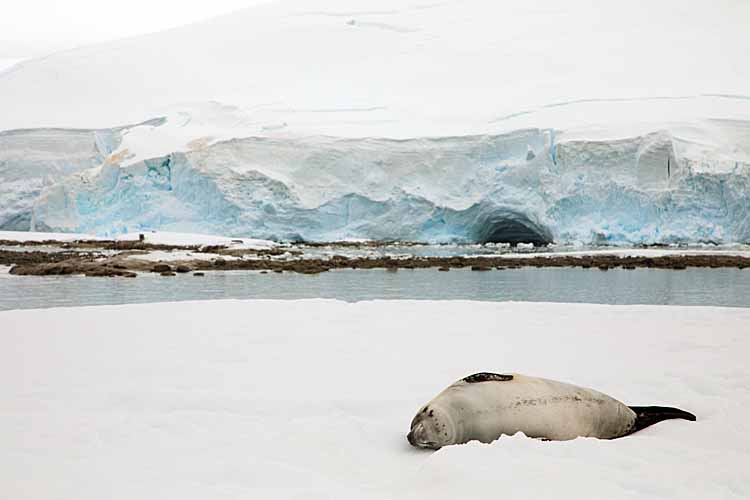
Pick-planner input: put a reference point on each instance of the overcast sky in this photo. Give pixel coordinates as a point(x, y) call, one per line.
point(34, 27)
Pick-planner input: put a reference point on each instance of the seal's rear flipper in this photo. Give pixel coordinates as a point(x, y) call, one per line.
point(649, 415)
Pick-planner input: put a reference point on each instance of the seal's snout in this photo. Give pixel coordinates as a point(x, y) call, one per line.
point(416, 436)
point(410, 438)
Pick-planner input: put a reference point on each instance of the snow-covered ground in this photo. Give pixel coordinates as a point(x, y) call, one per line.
point(739, 250)
point(312, 399)
point(43, 236)
point(178, 255)
point(152, 237)
point(185, 239)
point(395, 250)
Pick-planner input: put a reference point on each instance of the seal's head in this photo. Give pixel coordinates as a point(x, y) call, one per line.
point(432, 428)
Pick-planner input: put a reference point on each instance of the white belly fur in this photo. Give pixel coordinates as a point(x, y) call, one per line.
point(537, 407)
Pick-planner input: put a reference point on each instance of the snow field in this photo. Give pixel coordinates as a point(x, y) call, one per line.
point(152, 237)
point(312, 399)
point(398, 68)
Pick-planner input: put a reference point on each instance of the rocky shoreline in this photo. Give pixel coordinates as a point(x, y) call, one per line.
point(91, 258)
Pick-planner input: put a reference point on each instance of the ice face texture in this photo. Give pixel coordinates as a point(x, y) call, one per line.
point(531, 185)
point(31, 160)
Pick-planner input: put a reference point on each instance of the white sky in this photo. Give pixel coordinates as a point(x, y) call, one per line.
point(35, 27)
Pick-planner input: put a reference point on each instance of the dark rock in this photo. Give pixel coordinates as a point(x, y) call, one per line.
point(212, 248)
point(183, 269)
point(307, 267)
point(480, 268)
point(444, 269)
point(103, 271)
point(161, 268)
point(220, 262)
point(168, 273)
point(199, 274)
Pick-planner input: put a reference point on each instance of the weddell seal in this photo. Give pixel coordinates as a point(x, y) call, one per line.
point(484, 406)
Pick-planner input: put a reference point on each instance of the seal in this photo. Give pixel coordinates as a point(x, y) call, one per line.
point(484, 406)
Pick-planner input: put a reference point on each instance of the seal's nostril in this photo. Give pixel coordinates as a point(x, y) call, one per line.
point(410, 438)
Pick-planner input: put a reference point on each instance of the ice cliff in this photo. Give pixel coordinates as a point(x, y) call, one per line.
point(34, 159)
point(531, 185)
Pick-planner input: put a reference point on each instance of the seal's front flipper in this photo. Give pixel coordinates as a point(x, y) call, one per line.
point(646, 416)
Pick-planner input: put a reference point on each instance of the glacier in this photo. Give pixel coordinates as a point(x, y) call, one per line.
point(31, 160)
point(533, 185)
point(34, 159)
point(456, 121)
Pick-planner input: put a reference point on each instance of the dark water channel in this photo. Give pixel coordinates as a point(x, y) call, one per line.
point(704, 286)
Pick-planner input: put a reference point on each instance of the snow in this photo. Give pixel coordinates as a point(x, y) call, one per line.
point(393, 68)
point(39, 236)
point(8, 62)
point(739, 251)
point(152, 237)
point(187, 239)
point(292, 399)
point(179, 255)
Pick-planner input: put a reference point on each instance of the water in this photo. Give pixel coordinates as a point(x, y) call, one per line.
point(717, 287)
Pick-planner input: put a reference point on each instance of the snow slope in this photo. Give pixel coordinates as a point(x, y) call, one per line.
point(287, 121)
point(402, 68)
point(292, 399)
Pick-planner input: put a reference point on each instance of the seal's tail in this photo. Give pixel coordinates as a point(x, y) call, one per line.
point(649, 415)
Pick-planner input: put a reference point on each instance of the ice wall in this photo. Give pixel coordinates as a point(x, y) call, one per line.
point(32, 160)
point(531, 185)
